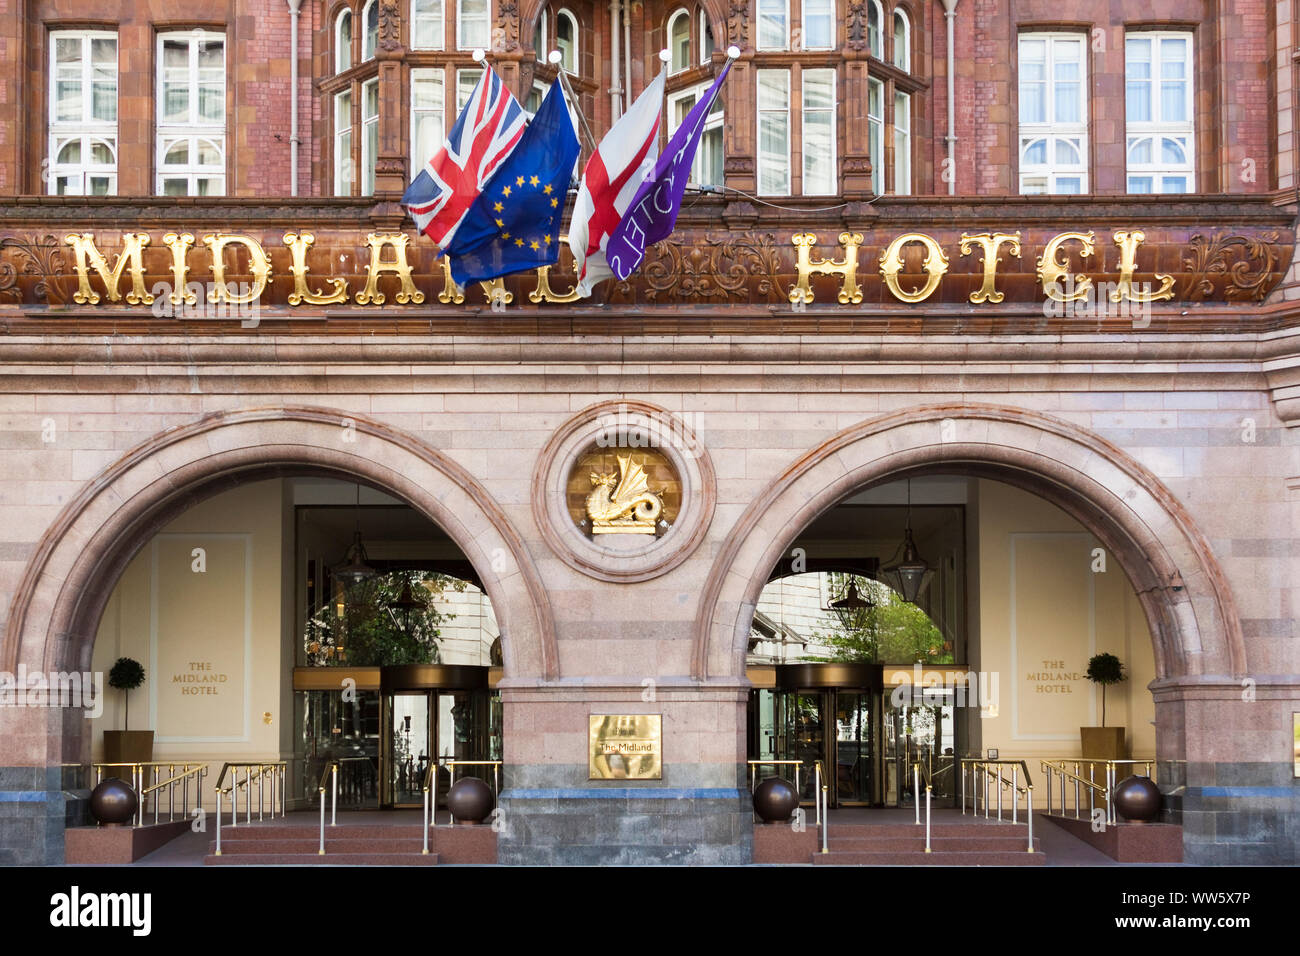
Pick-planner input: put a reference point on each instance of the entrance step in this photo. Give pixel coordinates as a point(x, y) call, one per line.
point(315, 859)
point(963, 858)
point(377, 844)
point(951, 844)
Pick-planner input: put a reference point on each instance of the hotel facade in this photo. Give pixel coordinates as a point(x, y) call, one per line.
point(981, 316)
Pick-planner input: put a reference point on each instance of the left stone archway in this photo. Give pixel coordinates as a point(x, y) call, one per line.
point(58, 603)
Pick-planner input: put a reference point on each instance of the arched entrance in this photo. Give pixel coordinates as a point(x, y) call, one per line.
point(1196, 639)
point(63, 592)
point(1189, 607)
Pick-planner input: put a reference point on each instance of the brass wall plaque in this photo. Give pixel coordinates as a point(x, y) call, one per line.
point(625, 747)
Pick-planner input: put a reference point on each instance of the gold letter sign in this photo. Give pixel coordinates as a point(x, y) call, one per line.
point(850, 291)
point(935, 265)
point(989, 244)
point(1051, 269)
point(1128, 243)
point(133, 243)
point(298, 245)
point(258, 264)
point(398, 264)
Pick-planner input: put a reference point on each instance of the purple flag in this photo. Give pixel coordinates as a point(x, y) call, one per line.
point(653, 211)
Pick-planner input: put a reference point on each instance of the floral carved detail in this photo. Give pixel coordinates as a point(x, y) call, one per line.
point(738, 22)
point(42, 257)
point(1249, 264)
point(856, 24)
point(732, 266)
point(505, 34)
point(390, 26)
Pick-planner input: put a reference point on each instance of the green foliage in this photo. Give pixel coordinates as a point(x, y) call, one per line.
point(126, 674)
point(373, 631)
point(1105, 669)
point(891, 632)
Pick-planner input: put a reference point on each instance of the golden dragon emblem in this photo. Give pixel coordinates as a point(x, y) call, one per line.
point(628, 508)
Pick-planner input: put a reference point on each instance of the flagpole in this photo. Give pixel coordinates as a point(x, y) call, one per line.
point(555, 56)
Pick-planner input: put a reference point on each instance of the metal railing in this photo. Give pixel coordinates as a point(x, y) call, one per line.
point(989, 773)
point(254, 773)
point(916, 789)
point(1072, 769)
point(145, 781)
point(330, 770)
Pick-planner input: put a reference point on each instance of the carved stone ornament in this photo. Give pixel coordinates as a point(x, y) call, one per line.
point(40, 256)
point(1248, 264)
point(505, 33)
point(390, 26)
point(735, 265)
point(631, 508)
point(738, 22)
point(856, 24)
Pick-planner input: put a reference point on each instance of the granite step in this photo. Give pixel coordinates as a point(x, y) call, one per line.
point(315, 859)
point(946, 858)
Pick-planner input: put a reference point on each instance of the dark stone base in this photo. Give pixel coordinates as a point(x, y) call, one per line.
point(37, 804)
point(1236, 814)
point(626, 826)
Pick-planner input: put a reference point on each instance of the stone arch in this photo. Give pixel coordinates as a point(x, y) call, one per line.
point(59, 601)
point(1189, 606)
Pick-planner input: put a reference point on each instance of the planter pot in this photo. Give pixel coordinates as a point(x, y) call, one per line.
point(128, 746)
point(1103, 743)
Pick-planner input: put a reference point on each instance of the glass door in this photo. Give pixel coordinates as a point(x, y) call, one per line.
point(406, 757)
point(924, 734)
point(801, 717)
point(853, 750)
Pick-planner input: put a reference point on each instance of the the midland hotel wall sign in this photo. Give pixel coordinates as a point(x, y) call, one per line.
point(170, 271)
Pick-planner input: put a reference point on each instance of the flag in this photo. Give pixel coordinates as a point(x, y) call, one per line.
point(488, 128)
point(610, 181)
point(515, 223)
point(652, 213)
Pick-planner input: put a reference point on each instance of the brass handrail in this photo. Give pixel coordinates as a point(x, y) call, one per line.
point(276, 769)
point(755, 764)
point(980, 765)
point(1057, 765)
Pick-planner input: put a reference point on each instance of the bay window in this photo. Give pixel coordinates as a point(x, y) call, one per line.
point(369, 134)
point(774, 132)
point(343, 143)
point(426, 25)
point(472, 24)
point(819, 165)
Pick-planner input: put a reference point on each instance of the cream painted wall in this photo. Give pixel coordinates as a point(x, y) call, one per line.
point(223, 623)
point(1042, 612)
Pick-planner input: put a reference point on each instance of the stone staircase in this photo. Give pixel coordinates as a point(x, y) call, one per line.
point(388, 844)
point(951, 844)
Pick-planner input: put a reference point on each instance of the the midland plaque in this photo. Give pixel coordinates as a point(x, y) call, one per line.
point(625, 747)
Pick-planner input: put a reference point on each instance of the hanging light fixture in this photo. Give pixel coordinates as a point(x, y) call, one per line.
point(850, 606)
point(355, 566)
point(910, 574)
point(406, 605)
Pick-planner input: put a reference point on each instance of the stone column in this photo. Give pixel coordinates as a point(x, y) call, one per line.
point(390, 160)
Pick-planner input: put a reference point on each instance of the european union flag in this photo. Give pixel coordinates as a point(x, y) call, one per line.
point(514, 225)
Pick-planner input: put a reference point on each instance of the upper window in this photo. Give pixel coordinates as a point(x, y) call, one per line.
point(902, 143)
point(343, 143)
point(472, 24)
point(343, 41)
point(1158, 107)
point(706, 38)
point(427, 112)
point(818, 24)
point(83, 114)
point(875, 26)
point(902, 42)
point(191, 154)
point(679, 41)
point(773, 24)
point(819, 164)
point(707, 169)
point(1053, 113)
point(539, 37)
point(876, 132)
point(369, 134)
point(566, 40)
point(774, 132)
point(370, 18)
point(426, 25)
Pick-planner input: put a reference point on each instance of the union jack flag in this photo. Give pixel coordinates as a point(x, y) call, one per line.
point(487, 129)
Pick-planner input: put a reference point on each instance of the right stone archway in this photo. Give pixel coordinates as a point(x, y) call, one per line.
point(1189, 607)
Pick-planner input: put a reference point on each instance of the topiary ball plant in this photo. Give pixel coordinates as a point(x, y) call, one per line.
point(1105, 669)
point(126, 675)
